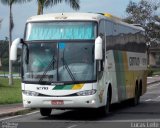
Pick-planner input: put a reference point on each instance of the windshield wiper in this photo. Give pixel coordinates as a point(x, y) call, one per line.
point(47, 69)
point(68, 69)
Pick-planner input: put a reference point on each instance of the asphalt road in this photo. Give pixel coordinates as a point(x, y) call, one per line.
point(146, 114)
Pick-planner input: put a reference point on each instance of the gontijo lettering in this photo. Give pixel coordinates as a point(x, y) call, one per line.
point(134, 61)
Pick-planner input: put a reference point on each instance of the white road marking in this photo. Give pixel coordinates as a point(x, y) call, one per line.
point(157, 98)
point(148, 100)
point(32, 113)
point(152, 92)
point(152, 86)
point(72, 126)
point(100, 121)
point(154, 99)
point(103, 121)
point(150, 77)
point(10, 117)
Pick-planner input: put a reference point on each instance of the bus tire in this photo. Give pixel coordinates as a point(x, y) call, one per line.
point(136, 99)
point(105, 109)
point(45, 111)
point(140, 88)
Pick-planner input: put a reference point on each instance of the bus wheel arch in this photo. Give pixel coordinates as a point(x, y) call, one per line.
point(104, 110)
point(108, 98)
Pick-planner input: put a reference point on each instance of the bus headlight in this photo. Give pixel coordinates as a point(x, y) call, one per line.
point(86, 92)
point(30, 93)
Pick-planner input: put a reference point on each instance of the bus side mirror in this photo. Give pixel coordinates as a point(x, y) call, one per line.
point(98, 49)
point(14, 48)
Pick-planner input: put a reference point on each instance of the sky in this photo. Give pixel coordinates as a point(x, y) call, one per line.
point(23, 11)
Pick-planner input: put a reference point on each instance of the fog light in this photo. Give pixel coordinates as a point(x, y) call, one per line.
point(93, 101)
point(28, 102)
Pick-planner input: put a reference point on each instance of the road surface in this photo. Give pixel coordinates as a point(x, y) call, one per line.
point(146, 114)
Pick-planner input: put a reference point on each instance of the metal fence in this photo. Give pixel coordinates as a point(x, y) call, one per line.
point(4, 72)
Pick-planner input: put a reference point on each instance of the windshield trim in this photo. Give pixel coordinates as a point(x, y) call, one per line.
point(61, 83)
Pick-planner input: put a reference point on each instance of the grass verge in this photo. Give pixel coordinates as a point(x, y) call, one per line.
point(10, 94)
point(153, 71)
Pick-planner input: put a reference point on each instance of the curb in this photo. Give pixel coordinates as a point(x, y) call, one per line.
point(18, 112)
point(153, 82)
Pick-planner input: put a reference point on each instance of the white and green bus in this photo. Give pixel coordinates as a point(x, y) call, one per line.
point(81, 60)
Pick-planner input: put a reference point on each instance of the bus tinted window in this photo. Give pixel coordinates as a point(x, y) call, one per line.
point(61, 30)
point(124, 38)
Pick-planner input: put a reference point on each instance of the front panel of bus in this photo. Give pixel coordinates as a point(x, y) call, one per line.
point(59, 69)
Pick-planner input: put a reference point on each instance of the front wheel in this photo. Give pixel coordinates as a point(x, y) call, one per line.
point(105, 109)
point(45, 111)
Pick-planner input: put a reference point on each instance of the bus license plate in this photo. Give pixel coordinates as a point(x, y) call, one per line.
point(57, 102)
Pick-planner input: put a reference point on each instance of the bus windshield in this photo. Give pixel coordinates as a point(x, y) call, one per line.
point(61, 30)
point(68, 61)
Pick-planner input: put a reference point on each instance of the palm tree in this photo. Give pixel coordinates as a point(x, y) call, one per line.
point(74, 4)
point(11, 25)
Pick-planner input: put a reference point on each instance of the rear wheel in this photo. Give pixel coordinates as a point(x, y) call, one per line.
point(136, 99)
point(45, 111)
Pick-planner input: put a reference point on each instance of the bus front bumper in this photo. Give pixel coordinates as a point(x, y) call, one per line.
point(90, 101)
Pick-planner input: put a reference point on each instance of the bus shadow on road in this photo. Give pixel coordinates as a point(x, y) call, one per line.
point(75, 115)
point(119, 111)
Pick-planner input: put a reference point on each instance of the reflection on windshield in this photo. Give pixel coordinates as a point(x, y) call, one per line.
point(68, 69)
point(59, 62)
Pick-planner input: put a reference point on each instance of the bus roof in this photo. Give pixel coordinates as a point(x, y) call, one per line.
point(80, 17)
point(66, 16)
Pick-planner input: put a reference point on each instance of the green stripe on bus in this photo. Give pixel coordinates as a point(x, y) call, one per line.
point(120, 74)
point(117, 75)
point(68, 87)
point(63, 87)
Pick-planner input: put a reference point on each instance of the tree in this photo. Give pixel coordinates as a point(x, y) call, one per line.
point(4, 57)
point(139, 13)
point(144, 13)
point(74, 4)
point(11, 25)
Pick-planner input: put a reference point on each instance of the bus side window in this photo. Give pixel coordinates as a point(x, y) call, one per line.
point(108, 34)
point(102, 35)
